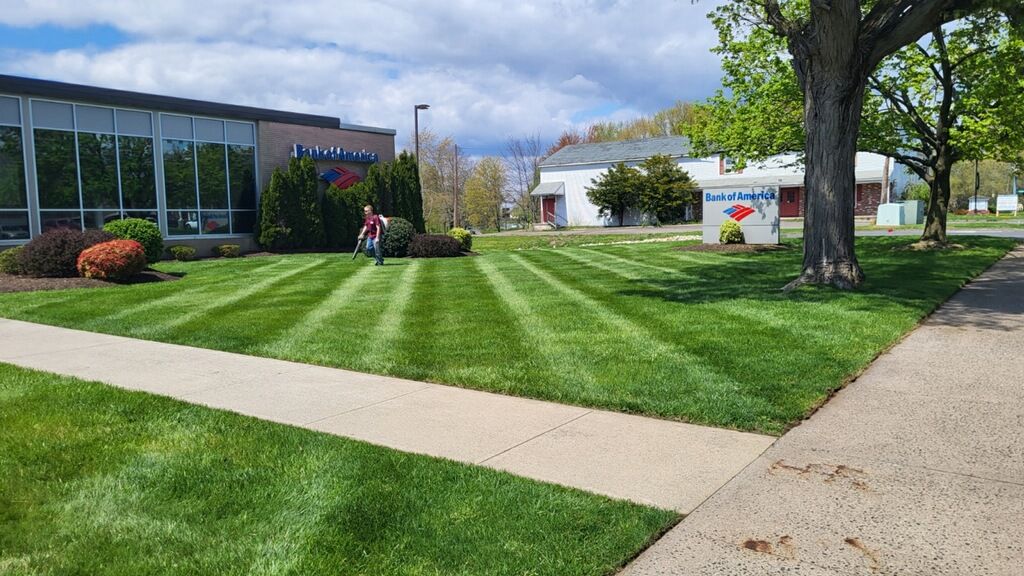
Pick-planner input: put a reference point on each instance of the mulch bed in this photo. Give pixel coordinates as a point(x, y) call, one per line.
point(732, 248)
point(10, 283)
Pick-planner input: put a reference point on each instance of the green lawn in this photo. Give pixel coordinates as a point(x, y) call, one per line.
point(492, 243)
point(701, 337)
point(97, 480)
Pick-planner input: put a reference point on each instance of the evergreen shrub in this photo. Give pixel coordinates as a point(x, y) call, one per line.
point(227, 250)
point(343, 214)
point(142, 231)
point(398, 236)
point(730, 233)
point(464, 237)
point(9, 261)
point(182, 253)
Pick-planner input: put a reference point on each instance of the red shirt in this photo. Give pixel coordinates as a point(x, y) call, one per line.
point(372, 223)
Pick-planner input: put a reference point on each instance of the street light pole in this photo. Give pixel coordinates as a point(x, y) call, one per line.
point(416, 122)
point(455, 191)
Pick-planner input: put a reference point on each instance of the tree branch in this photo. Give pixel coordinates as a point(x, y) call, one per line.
point(901, 102)
point(893, 24)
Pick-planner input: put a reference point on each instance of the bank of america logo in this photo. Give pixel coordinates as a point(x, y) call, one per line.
point(738, 212)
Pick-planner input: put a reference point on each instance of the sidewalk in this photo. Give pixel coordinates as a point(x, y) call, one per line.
point(666, 464)
point(917, 468)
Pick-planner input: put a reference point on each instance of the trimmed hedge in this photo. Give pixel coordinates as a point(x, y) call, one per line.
point(54, 254)
point(227, 250)
point(434, 246)
point(9, 261)
point(465, 237)
point(398, 236)
point(730, 233)
point(142, 231)
point(182, 253)
point(116, 260)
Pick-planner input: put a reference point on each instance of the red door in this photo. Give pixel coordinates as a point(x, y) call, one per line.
point(548, 209)
point(789, 204)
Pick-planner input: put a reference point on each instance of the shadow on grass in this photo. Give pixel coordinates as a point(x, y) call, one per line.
point(896, 278)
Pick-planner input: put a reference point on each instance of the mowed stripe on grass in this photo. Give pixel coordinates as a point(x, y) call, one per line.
point(701, 337)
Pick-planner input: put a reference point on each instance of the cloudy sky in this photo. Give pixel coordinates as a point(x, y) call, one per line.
point(489, 70)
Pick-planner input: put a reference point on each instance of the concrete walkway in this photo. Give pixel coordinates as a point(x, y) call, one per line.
point(917, 468)
point(666, 464)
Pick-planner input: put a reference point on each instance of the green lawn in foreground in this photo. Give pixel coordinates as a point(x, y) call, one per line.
point(706, 338)
point(97, 480)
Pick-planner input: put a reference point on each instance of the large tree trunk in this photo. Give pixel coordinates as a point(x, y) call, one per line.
point(833, 76)
point(938, 204)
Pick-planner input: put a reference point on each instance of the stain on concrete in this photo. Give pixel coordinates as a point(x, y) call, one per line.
point(761, 546)
point(872, 557)
point(784, 548)
point(827, 473)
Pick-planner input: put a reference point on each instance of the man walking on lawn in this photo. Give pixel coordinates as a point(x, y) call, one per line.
point(373, 231)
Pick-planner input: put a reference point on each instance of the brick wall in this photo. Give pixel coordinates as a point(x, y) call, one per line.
point(276, 142)
point(869, 196)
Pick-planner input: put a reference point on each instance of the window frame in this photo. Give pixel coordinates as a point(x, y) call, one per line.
point(26, 183)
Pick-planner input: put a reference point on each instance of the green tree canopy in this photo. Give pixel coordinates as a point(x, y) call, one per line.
point(665, 188)
point(616, 191)
point(811, 60)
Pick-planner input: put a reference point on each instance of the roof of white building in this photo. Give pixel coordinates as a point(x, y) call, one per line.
point(624, 151)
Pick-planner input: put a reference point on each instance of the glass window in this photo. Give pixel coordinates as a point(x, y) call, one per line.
point(14, 225)
point(56, 169)
point(52, 115)
point(97, 161)
point(134, 123)
point(215, 222)
point(10, 110)
point(213, 183)
point(52, 219)
point(182, 222)
point(179, 174)
point(145, 215)
point(95, 219)
point(241, 133)
point(242, 169)
point(243, 222)
point(12, 169)
point(209, 130)
point(176, 127)
point(138, 186)
point(94, 119)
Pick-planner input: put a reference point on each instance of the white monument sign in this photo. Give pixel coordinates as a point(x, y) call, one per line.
point(755, 209)
point(1006, 203)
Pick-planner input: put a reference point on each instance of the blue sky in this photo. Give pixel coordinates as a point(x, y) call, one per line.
point(489, 71)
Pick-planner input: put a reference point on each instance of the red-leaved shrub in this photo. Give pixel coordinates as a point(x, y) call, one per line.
point(55, 253)
point(114, 260)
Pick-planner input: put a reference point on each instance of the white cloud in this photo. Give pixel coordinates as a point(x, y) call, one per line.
point(487, 71)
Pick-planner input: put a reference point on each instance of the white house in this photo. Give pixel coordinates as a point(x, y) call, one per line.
point(566, 174)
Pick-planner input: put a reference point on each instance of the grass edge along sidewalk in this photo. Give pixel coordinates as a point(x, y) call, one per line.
point(100, 480)
point(702, 338)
